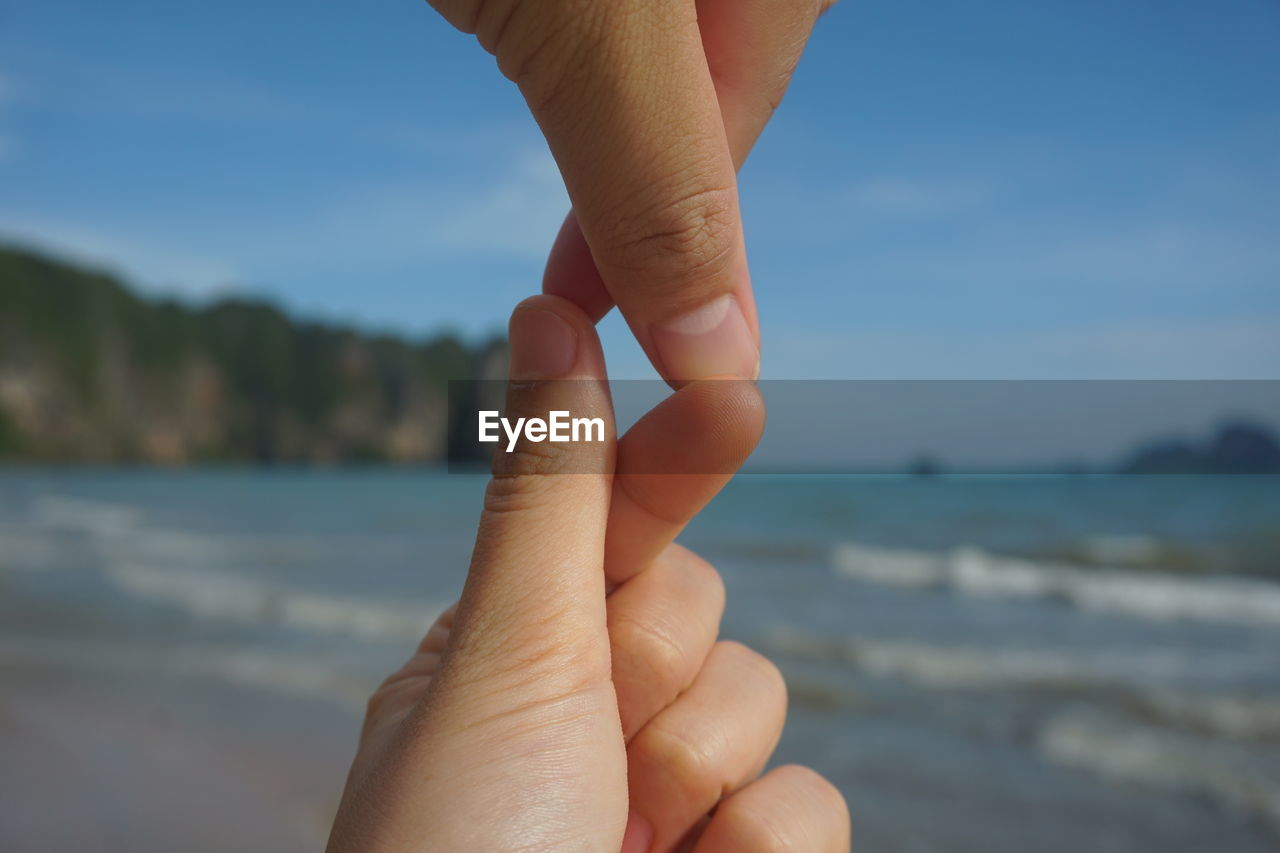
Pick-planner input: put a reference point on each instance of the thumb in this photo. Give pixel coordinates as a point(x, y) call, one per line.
point(533, 604)
point(752, 48)
point(517, 743)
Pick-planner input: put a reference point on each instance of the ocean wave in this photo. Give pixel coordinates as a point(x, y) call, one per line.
point(1143, 594)
point(120, 533)
point(1149, 677)
point(1237, 717)
point(81, 514)
point(227, 597)
point(286, 674)
point(1219, 745)
point(959, 666)
point(184, 570)
point(1238, 778)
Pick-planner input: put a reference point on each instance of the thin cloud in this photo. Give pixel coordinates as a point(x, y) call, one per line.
point(915, 197)
point(514, 216)
point(158, 268)
point(1172, 349)
point(420, 223)
point(10, 145)
point(520, 215)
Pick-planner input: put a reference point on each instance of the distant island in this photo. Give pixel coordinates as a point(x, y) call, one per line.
point(1236, 447)
point(91, 372)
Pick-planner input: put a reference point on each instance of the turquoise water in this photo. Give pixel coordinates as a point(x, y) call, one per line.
point(981, 664)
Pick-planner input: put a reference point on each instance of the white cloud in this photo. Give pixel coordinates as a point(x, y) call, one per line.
point(420, 223)
point(914, 197)
point(515, 215)
point(152, 266)
point(519, 215)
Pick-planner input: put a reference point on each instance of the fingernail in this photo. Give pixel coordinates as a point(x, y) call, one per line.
point(543, 346)
point(713, 340)
point(639, 834)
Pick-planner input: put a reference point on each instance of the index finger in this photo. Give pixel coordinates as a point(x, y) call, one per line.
point(671, 463)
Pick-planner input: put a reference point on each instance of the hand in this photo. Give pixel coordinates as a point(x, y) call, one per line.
point(540, 713)
point(648, 107)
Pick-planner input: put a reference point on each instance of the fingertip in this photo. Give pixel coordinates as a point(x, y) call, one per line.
point(662, 483)
point(571, 272)
point(563, 347)
point(714, 339)
point(564, 308)
point(731, 412)
point(639, 834)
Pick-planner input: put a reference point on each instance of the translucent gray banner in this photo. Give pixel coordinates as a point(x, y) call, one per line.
point(910, 427)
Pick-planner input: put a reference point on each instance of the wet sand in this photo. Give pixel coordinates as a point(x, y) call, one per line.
point(97, 764)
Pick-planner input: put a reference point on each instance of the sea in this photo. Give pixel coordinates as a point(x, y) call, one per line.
point(980, 663)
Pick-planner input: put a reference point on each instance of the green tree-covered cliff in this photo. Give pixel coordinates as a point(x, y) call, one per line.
point(91, 372)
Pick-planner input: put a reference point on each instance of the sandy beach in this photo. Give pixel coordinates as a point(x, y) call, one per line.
point(111, 764)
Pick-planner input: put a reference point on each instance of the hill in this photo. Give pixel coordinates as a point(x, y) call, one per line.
point(91, 372)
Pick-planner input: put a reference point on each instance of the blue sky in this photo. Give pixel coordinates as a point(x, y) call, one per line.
point(997, 189)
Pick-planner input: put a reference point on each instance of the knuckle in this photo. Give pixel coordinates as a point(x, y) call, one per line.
point(539, 45)
point(532, 458)
point(521, 477)
point(649, 657)
point(763, 830)
point(692, 237)
point(687, 768)
point(437, 636)
point(377, 702)
point(528, 63)
point(463, 14)
point(393, 696)
point(512, 493)
point(491, 21)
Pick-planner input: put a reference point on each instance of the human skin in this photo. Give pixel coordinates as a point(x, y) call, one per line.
point(576, 697)
point(649, 107)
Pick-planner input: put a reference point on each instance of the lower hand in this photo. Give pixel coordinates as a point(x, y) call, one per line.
point(576, 698)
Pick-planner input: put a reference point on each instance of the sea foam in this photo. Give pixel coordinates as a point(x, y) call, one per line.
point(1144, 594)
point(224, 596)
point(1238, 778)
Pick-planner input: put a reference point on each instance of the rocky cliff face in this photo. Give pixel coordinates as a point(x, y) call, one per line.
point(89, 372)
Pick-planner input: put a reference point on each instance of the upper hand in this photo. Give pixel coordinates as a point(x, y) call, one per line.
point(649, 106)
